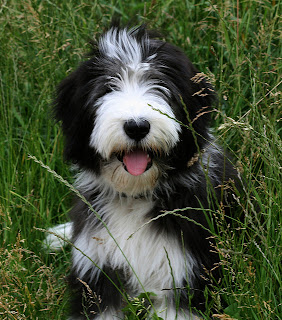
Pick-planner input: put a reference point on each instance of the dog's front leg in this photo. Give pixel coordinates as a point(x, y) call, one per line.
point(165, 307)
point(95, 299)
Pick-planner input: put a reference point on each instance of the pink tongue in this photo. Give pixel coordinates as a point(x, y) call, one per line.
point(136, 162)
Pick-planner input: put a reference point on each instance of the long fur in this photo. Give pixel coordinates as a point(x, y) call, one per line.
point(137, 95)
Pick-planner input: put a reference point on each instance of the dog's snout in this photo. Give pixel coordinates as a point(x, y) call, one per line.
point(137, 130)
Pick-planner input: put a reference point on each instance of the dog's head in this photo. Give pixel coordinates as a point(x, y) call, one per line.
point(122, 111)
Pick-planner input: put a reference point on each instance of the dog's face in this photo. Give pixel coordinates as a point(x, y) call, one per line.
point(121, 111)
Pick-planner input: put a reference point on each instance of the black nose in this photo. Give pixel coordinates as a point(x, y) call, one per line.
point(137, 130)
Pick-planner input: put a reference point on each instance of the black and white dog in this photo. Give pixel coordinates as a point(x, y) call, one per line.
point(135, 117)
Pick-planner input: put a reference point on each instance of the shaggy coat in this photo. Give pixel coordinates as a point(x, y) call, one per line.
point(135, 116)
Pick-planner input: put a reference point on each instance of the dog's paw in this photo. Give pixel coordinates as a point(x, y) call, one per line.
point(58, 237)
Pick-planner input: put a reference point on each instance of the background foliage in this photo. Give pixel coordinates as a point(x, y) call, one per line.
point(237, 43)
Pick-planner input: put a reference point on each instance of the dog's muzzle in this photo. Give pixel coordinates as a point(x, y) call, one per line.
point(137, 160)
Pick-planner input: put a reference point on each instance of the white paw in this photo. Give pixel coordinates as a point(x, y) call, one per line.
point(58, 237)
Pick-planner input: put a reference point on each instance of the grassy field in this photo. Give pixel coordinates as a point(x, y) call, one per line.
point(237, 44)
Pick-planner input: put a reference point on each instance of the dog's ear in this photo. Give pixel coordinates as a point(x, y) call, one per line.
point(191, 89)
point(71, 109)
point(188, 84)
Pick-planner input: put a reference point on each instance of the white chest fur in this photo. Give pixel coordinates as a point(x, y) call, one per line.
point(150, 257)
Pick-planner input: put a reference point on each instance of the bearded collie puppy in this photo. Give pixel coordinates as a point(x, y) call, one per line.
point(135, 116)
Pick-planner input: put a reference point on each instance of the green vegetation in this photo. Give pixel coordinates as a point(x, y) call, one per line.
point(238, 45)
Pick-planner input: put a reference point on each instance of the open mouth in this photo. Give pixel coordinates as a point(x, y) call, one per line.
point(136, 161)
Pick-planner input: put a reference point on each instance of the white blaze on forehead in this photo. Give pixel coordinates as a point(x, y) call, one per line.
point(123, 46)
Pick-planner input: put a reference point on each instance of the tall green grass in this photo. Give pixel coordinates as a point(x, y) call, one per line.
point(238, 44)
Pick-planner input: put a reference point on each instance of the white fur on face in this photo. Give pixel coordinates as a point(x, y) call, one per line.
point(134, 96)
point(108, 135)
